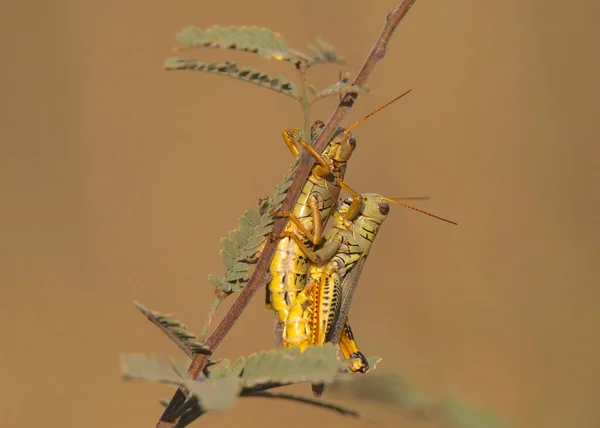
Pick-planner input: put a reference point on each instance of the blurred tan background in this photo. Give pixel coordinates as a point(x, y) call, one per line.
point(118, 179)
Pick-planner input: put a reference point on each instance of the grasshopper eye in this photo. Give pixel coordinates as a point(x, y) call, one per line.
point(384, 207)
point(352, 142)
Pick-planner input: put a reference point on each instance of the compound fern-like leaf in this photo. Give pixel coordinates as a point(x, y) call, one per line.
point(249, 244)
point(224, 382)
point(256, 40)
point(176, 331)
point(261, 41)
point(278, 84)
point(341, 87)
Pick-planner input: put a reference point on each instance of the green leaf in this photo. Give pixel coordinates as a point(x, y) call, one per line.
point(227, 259)
point(239, 275)
point(391, 389)
point(263, 204)
point(256, 40)
point(249, 235)
point(239, 237)
point(215, 395)
point(309, 400)
point(251, 376)
point(150, 368)
point(252, 217)
point(261, 41)
point(324, 53)
point(230, 246)
point(248, 219)
point(239, 267)
point(214, 280)
point(278, 84)
point(341, 87)
point(176, 331)
point(315, 364)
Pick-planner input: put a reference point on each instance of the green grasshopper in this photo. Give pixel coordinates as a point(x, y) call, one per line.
point(320, 312)
point(290, 267)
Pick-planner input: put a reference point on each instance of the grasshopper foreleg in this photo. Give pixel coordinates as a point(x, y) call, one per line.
point(291, 137)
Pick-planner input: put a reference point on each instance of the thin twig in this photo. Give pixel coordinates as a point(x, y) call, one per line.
point(257, 281)
point(307, 400)
point(304, 101)
point(219, 297)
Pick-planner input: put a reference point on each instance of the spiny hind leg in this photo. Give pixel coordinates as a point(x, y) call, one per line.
point(350, 350)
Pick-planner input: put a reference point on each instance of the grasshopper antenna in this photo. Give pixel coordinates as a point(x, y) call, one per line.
point(397, 202)
point(412, 198)
point(378, 109)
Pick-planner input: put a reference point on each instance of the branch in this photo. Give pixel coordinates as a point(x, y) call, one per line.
point(307, 400)
point(257, 281)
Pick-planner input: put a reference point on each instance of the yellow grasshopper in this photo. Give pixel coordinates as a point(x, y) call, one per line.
point(290, 267)
point(320, 312)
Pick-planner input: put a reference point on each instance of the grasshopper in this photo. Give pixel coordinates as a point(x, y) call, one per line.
point(290, 267)
point(320, 312)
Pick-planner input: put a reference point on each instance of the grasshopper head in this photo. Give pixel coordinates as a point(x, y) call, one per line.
point(374, 207)
point(340, 148)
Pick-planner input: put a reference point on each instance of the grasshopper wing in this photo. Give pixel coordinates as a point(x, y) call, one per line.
point(349, 284)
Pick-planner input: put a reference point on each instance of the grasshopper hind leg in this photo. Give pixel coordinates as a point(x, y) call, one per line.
point(350, 350)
